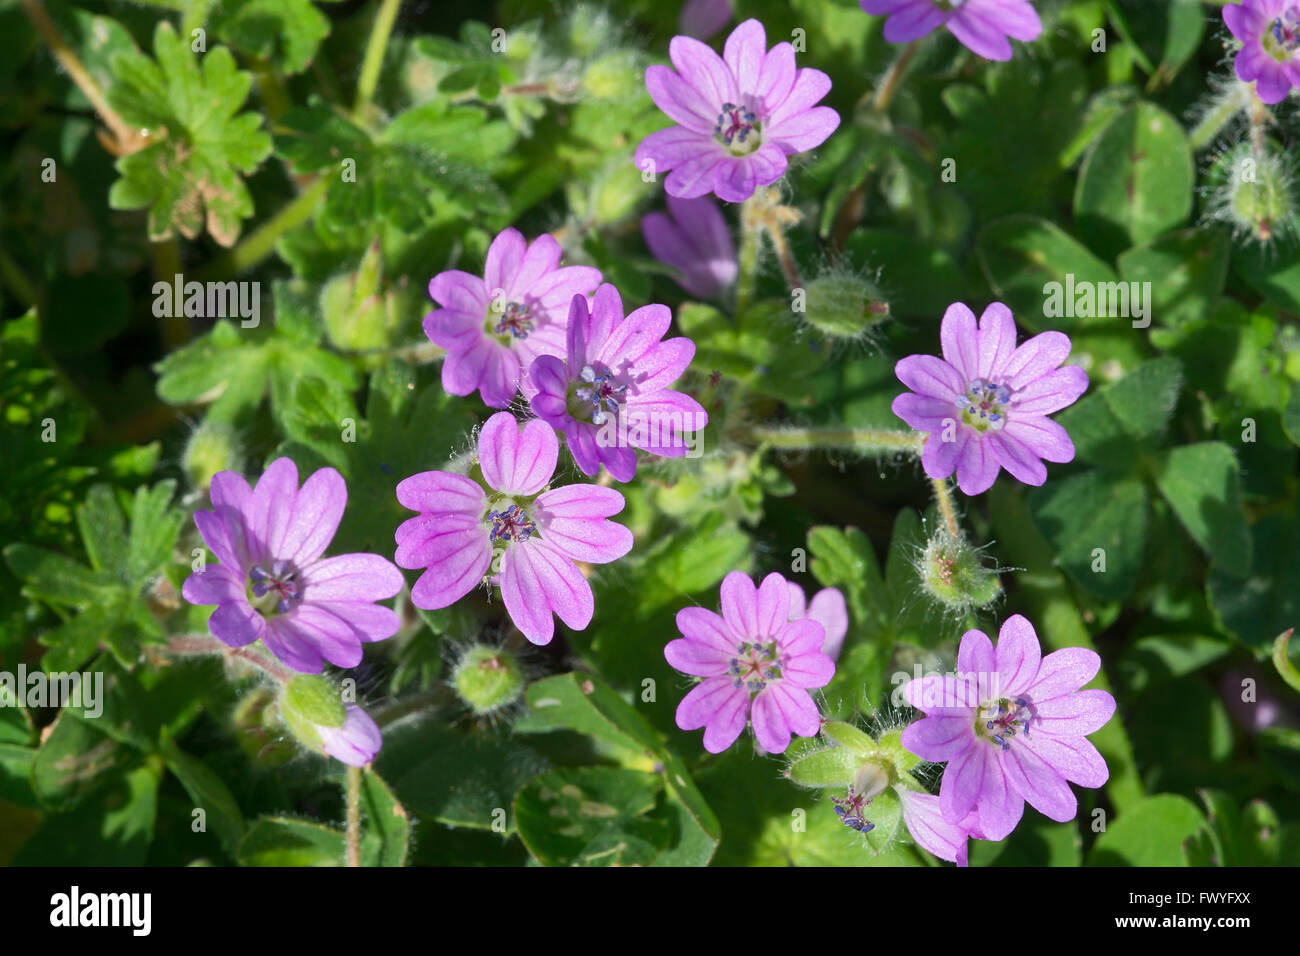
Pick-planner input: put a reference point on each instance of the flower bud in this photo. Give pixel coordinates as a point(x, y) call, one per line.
point(488, 679)
point(316, 715)
point(614, 76)
point(954, 573)
point(1254, 192)
point(213, 447)
point(358, 314)
point(844, 305)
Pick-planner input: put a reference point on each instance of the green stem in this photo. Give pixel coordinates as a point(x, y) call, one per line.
point(261, 242)
point(195, 645)
point(166, 266)
point(374, 58)
point(1282, 661)
point(864, 440)
point(893, 79)
point(1220, 115)
point(751, 236)
point(947, 509)
point(274, 96)
point(353, 816)
point(17, 281)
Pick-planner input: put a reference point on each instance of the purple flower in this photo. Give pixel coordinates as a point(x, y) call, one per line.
point(1012, 727)
point(611, 395)
point(1269, 31)
point(925, 822)
point(356, 742)
point(530, 539)
point(272, 582)
point(694, 239)
point(739, 115)
point(985, 403)
point(703, 18)
point(755, 662)
point(497, 325)
point(982, 25)
point(827, 609)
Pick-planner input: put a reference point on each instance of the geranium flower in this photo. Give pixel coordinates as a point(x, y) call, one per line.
point(272, 582)
point(982, 25)
point(1269, 31)
point(529, 538)
point(925, 822)
point(985, 403)
point(756, 663)
point(827, 609)
point(497, 325)
point(610, 394)
point(739, 116)
point(693, 238)
point(355, 743)
point(1013, 728)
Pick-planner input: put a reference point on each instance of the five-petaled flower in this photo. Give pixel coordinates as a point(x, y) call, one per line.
point(529, 539)
point(756, 663)
point(739, 115)
point(610, 395)
point(985, 403)
point(494, 327)
point(981, 25)
point(272, 582)
point(1012, 726)
point(1269, 31)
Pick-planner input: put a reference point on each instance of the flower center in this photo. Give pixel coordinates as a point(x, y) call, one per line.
point(849, 810)
point(983, 407)
point(275, 590)
point(754, 665)
point(1002, 719)
point(511, 524)
point(596, 393)
point(738, 129)
point(513, 322)
point(1282, 39)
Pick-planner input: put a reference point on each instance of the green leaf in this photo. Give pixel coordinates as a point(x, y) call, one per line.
point(1022, 255)
point(386, 829)
point(590, 816)
point(1252, 835)
point(1267, 601)
point(1157, 658)
point(1115, 425)
point(113, 828)
point(208, 791)
point(281, 841)
point(1097, 527)
point(1282, 661)
point(58, 580)
point(1136, 181)
point(188, 178)
point(1201, 482)
point(1152, 833)
point(288, 32)
point(1186, 271)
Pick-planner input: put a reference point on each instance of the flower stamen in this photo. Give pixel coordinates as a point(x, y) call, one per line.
point(983, 406)
point(511, 525)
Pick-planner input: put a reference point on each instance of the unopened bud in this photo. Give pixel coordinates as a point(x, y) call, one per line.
point(954, 573)
point(488, 679)
point(315, 714)
point(359, 315)
point(213, 447)
point(844, 305)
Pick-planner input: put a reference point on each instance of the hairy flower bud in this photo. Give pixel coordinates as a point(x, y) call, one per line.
point(954, 573)
point(488, 679)
point(1254, 192)
point(844, 305)
point(315, 714)
point(213, 447)
point(359, 315)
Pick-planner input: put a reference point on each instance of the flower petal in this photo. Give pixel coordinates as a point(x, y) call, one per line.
point(517, 460)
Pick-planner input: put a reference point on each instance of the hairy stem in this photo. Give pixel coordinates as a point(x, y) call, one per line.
point(751, 236)
point(374, 58)
point(947, 508)
point(198, 645)
point(865, 440)
point(127, 140)
point(353, 816)
point(893, 79)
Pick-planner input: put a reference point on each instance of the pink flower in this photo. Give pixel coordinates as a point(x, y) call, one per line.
point(755, 662)
point(1269, 31)
point(611, 395)
point(497, 325)
point(982, 25)
point(985, 403)
point(272, 582)
point(925, 822)
point(1012, 727)
point(827, 609)
point(528, 538)
point(356, 742)
point(694, 239)
point(703, 18)
point(739, 116)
